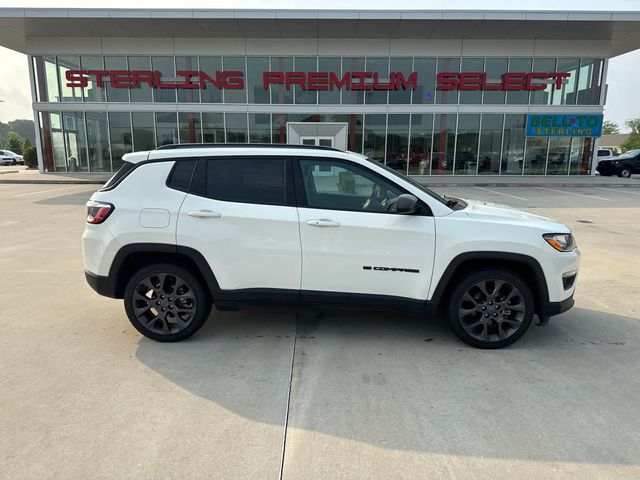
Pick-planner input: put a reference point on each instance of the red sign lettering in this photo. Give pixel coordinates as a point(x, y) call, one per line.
point(509, 81)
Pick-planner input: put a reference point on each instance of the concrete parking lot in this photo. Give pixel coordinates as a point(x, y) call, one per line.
point(315, 394)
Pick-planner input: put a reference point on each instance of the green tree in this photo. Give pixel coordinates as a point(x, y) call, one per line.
point(31, 157)
point(633, 141)
point(609, 127)
point(13, 142)
point(26, 145)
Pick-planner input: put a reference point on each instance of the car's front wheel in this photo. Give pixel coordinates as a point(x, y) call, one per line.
point(625, 172)
point(166, 303)
point(491, 308)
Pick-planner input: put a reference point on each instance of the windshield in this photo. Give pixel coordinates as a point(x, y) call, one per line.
point(418, 185)
point(630, 153)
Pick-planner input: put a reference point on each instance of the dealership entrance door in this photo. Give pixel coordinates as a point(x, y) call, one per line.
point(323, 134)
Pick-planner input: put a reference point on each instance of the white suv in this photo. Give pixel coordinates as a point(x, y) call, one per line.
point(183, 227)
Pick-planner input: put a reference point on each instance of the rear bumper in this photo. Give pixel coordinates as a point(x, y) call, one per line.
point(104, 286)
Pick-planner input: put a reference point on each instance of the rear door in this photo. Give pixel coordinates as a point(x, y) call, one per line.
point(350, 243)
point(240, 215)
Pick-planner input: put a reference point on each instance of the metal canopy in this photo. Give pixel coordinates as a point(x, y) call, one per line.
point(620, 29)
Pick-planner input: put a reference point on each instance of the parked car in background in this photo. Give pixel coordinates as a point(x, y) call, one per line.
point(624, 165)
point(604, 154)
point(7, 157)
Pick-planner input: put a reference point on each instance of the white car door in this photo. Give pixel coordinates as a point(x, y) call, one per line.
point(243, 220)
point(350, 244)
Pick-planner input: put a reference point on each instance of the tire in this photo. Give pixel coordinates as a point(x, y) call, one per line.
point(625, 172)
point(479, 320)
point(14, 163)
point(171, 318)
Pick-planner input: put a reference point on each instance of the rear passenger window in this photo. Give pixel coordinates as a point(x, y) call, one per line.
point(247, 180)
point(180, 176)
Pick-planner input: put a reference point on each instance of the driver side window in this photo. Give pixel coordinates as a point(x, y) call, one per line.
point(340, 185)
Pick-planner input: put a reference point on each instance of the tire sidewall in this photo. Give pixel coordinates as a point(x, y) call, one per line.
point(625, 172)
point(203, 305)
point(489, 274)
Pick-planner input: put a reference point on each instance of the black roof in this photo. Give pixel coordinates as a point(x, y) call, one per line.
point(175, 146)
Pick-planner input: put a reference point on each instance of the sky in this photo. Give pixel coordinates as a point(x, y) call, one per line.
point(623, 97)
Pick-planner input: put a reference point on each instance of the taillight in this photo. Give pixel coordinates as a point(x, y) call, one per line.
point(97, 212)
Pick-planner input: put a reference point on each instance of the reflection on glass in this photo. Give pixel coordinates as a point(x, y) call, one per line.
point(120, 133)
point(448, 65)
point(213, 127)
point(354, 130)
point(581, 153)
point(352, 64)
point(236, 125)
point(426, 70)
point(279, 94)
point(444, 139)
point(52, 140)
point(559, 154)
point(188, 95)
point(143, 92)
point(65, 63)
point(543, 97)
point(166, 128)
point(589, 81)
point(92, 93)
point(495, 68)
point(144, 137)
point(535, 155)
point(189, 127)
point(256, 66)
point(259, 128)
point(98, 142)
point(211, 65)
point(166, 66)
point(467, 144)
point(374, 131)
point(490, 144)
point(513, 144)
point(475, 65)
point(76, 140)
point(115, 63)
point(420, 148)
point(397, 142)
point(403, 66)
point(518, 97)
point(330, 64)
point(379, 66)
point(46, 79)
point(305, 64)
point(566, 94)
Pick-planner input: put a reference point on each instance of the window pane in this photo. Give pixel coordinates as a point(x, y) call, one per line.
point(93, 93)
point(589, 81)
point(559, 153)
point(235, 64)
point(259, 128)
point(566, 94)
point(536, 155)
point(474, 65)
point(75, 137)
point(448, 65)
point(328, 65)
point(190, 127)
point(254, 180)
point(279, 94)
point(581, 153)
point(115, 94)
point(352, 64)
point(401, 66)
point(337, 185)
point(490, 144)
point(52, 142)
point(213, 127)
point(98, 141)
point(421, 136)
point(354, 130)
point(379, 67)
point(305, 64)
point(467, 144)
point(256, 66)
point(444, 137)
point(495, 68)
point(513, 145)
point(543, 97)
point(144, 137)
point(46, 79)
point(236, 124)
point(211, 65)
point(165, 65)
point(65, 63)
point(180, 177)
point(426, 69)
point(185, 64)
point(142, 93)
point(520, 97)
point(374, 135)
point(120, 133)
point(166, 128)
point(397, 142)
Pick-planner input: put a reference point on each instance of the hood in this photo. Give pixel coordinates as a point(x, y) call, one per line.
point(485, 210)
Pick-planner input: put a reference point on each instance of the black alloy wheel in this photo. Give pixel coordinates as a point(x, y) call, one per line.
point(491, 308)
point(166, 303)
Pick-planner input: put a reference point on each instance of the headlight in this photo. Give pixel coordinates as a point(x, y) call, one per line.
point(562, 242)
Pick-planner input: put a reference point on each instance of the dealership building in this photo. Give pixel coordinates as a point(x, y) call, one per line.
point(426, 92)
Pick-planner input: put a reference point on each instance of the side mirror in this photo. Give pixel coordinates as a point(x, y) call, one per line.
point(406, 204)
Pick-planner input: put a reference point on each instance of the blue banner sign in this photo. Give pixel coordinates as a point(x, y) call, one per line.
point(543, 125)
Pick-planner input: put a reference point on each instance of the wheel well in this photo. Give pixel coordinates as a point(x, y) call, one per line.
point(531, 275)
point(134, 261)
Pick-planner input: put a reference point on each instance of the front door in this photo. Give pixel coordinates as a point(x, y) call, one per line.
point(350, 243)
point(317, 141)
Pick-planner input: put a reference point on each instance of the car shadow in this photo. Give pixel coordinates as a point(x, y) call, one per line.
point(403, 383)
point(77, 198)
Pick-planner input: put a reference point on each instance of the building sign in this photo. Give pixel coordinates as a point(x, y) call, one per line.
point(511, 81)
point(196, 79)
point(543, 125)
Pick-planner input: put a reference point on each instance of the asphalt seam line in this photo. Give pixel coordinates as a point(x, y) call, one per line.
point(573, 193)
point(619, 190)
point(286, 412)
point(501, 193)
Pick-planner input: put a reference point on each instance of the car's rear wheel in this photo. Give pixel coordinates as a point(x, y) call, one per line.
point(166, 303)
point(625, 172)
point(491, 308)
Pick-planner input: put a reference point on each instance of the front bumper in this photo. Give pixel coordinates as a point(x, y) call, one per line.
point(556, 308)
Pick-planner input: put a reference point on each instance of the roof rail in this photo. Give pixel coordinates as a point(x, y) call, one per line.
point(174, 146)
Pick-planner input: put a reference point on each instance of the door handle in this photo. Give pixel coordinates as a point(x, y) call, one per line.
point(322, 222)
point(204, 214)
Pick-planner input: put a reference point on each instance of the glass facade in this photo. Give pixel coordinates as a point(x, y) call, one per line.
point(429, 138)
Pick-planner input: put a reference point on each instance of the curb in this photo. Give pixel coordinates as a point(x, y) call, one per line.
point(9, 171)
